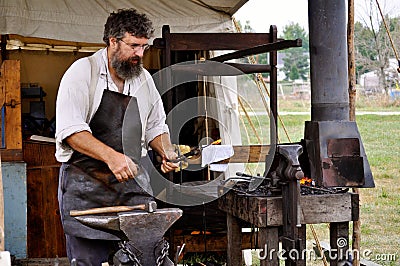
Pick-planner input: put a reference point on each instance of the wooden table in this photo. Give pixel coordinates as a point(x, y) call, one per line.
point(266, 214)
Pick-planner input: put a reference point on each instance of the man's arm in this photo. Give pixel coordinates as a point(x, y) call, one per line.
point(121, 165)
point(162, 145)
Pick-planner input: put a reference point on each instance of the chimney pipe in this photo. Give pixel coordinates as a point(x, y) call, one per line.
point(333, 144)
point(328, 58)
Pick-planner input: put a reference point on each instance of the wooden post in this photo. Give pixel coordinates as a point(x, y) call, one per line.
point(234, 234)
point(11, 100)
point(273, 90)
point(351, 61)
point(303, 242)
point(167, 61)
point(352, 111)
point(3, 47)
point(339, 240)
point(268, 242)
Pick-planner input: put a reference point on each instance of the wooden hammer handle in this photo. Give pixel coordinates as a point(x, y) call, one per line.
point(107, 210)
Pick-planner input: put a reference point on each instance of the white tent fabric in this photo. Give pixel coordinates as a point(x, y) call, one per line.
point(225, 90)
point(83, 21)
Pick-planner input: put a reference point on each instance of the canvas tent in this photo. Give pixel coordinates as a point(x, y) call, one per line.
point(83, 21)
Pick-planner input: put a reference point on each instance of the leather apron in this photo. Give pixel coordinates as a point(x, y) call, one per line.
point(88, 183)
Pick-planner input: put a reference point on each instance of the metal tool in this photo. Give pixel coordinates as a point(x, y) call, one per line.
point(194, 151)
point(184, 157)
point(142, 234)
point(150, 206)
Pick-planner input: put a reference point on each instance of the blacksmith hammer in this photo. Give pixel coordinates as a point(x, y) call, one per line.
point(150, 206)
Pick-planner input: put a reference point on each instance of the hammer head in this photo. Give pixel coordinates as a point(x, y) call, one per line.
point(150, 206)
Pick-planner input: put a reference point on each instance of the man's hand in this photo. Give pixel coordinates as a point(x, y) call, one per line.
point(122, 167)
point(162, 145)
point(166, 165)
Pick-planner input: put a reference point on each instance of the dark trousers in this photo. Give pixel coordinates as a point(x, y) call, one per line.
point(89, 252)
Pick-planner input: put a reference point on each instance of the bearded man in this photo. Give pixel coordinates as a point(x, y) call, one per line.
point(108, 115)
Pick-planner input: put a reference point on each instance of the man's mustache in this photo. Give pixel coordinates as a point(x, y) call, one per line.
point(137, 58)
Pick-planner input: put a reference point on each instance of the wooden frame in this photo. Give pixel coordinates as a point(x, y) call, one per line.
point(246, 43)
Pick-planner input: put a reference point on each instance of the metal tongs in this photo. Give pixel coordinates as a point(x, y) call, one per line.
point(244, 177)
point(194, 151)
point(184, 157)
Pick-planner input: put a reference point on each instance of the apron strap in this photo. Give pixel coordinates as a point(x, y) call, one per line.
point(95, 70)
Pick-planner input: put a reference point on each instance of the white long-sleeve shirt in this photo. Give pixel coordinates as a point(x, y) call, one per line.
point(72, 105)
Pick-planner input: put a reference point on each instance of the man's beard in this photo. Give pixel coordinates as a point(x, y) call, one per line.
point(125, 69)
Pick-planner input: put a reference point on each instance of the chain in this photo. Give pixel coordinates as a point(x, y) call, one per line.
point(126, 248)
point(164, 252)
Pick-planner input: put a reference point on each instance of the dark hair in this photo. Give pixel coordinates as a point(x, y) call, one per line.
point(130, 21)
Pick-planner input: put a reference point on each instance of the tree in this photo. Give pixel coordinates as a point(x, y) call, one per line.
point(247, 27)
point(372, 46)
point(296, 60)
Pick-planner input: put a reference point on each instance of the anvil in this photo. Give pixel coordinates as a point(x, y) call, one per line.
point(142, 230)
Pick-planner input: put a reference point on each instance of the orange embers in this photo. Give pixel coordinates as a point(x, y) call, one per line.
point(306, 181)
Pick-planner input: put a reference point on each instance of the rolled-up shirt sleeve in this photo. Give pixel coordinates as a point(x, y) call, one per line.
point(156, 122)
point(71, 107)
point(156, 118)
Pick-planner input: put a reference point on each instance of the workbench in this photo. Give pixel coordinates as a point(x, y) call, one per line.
point(265, 213)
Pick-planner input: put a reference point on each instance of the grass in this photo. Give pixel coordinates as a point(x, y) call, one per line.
point(379, 206)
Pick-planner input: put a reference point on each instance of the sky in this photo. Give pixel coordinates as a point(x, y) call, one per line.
point(263, 13)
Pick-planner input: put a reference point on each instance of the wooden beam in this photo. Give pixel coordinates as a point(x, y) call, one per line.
point(212, 41)
point(251, 68)
point(12, 155)
point(248, 154)
point(195, 243)
point(220, 69)
point(265, 48)
point(52, 42)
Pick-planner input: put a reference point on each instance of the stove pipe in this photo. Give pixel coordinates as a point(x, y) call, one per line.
point(328, 60)
point(332, 142)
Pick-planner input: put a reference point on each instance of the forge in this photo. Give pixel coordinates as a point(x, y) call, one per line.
point(333, 143)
